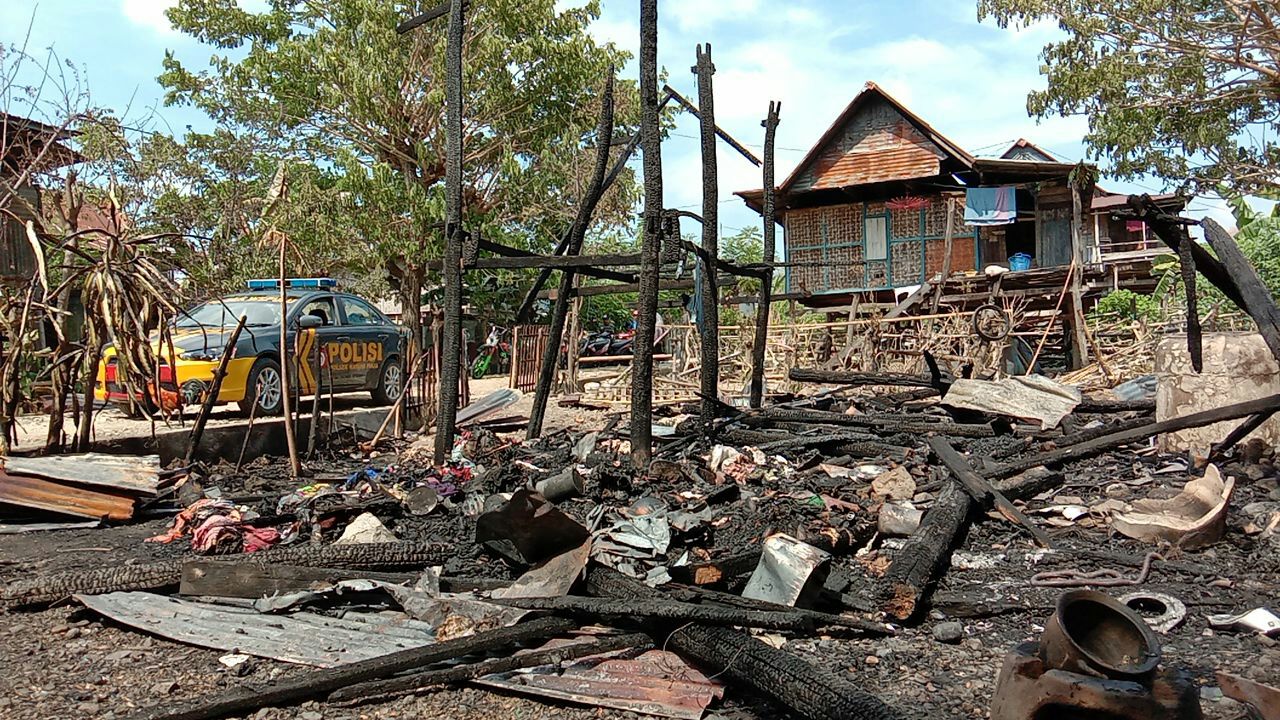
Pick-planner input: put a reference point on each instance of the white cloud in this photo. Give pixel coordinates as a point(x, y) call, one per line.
point(149, 14)
point(701, 14)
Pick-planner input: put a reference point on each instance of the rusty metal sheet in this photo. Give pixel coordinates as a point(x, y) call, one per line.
point(303, 638)
point(880, 164)
point(654, 683)
point(137, 474)
point(41, 494)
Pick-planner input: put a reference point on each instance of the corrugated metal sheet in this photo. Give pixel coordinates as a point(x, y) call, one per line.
point(655, 683)
point(41, 494)
point(881, 162)
point(138, 474)
point(875, 144)
point(871, 111)
point(304, 638)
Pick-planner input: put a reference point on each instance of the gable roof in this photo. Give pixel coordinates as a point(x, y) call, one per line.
point(870, 93)
point(1023, 149)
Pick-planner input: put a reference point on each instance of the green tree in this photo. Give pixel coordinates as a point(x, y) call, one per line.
point(331, 83)
point(1181, 89)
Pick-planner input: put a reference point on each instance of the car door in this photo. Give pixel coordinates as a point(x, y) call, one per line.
point(329, 333)
point(369, 337)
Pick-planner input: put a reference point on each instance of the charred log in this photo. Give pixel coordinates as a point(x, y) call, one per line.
point(918, 565)
point(733, 654)
point(167, 574)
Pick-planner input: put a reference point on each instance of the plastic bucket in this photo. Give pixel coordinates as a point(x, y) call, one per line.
point(1020, 261)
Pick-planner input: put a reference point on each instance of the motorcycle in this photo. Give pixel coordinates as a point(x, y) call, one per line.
point(493, 349)
point(605, 343)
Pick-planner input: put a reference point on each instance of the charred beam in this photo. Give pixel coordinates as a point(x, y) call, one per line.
point(684, 102)
point(802, 688)
point(918, 565)
point(1098, 446)
point(981, 491)
point(168, 573)
point(508, 251)
point(560, 313)
point(661, 609)
point(841, 377)
point(1257, 299)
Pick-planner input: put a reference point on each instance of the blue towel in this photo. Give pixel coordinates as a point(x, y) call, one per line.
point(990, 206)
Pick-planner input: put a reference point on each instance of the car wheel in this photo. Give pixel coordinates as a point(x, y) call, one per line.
point(264, 386)
point(390, 383)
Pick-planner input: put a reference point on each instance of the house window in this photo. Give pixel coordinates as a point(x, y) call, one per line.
point(877, 238)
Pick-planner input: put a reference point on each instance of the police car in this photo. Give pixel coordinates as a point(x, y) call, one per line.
point(359, 348)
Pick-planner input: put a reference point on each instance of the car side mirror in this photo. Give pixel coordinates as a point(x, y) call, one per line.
point(308, 322)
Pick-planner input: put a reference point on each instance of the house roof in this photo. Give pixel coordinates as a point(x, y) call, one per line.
point(1114, 201)
point(24, 141)
point(885, 161)
point(1023, 146)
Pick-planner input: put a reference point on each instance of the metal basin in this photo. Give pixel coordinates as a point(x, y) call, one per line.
point(1094, 634)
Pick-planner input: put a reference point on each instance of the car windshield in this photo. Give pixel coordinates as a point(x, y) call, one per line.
point(259, 311)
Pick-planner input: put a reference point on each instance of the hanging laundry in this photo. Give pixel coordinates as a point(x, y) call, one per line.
point(990, 206)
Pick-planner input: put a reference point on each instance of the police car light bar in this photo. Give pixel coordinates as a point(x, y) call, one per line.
point(272, 283)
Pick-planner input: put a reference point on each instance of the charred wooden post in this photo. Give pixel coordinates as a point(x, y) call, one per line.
point(381, 689)
point(551, 356)
point(237, 701)
point(651, 241)
point(804, 689)
point(709, 312)
point(450, 367)
point(756, 393)
point(919, 564)
point(1081, 188)
point(211, 397)
point(1187, 267)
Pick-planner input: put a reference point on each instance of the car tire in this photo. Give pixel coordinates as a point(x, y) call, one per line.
point(390, 382)
point(269, 398)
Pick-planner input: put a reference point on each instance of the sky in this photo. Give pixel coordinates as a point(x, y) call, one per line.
point(968, 79)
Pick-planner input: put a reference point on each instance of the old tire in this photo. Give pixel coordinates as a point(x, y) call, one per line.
point(390, 382)
point(263, 386)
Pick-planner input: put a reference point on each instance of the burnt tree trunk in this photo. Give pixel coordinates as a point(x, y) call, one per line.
point(451, 363)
